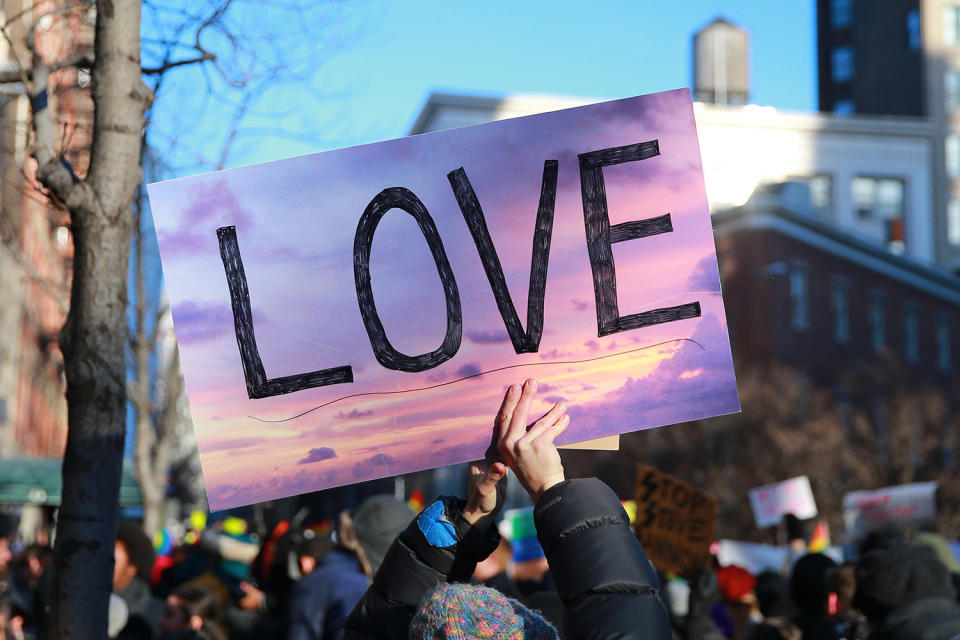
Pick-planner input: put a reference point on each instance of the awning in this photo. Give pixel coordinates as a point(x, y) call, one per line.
point(38, 481)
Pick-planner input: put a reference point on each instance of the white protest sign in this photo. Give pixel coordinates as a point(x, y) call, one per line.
point(754, 557)
point(903, 504)
point(773, 501)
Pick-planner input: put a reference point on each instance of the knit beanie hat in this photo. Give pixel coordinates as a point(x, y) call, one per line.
point(461, 611)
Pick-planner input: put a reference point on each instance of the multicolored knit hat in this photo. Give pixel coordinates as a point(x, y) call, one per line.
point(462, 611)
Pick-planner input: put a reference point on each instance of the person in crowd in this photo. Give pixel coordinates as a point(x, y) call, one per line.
point(842, 584)
point(607, 585)
point(333, 584)
point(738, 602)
point(811, 596)
point(905, 592)
point(133, 561)
point(703, 598)
point(773, 595)
point(494, 570)
point(24, 581)
point(369, 531)
point(191, 613)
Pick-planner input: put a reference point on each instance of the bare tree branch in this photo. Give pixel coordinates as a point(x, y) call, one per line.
point(206, 56)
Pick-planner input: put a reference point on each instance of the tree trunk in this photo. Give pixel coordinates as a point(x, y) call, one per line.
point(94, 336)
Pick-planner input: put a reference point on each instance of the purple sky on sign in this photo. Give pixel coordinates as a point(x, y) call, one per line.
point(295, 222)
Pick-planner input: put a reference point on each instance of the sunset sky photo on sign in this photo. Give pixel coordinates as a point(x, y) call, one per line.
point(295, 223)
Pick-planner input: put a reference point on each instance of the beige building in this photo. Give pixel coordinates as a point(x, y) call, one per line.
point(868, 176)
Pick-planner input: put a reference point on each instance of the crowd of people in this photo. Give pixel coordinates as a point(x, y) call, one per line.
point(384, 572)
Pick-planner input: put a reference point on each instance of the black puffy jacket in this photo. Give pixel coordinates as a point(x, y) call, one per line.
point(608, 587)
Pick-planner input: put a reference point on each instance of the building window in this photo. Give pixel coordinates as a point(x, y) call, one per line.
point(911, 333)
point(841, 13)
point(877, 317)
point(840, 308)
point(913, 30)
point(842, 64)
point(882, 199)
point(944, 361)
point(951, 89)
point(800, 297)
point(951, 25)
point(844, 107)
point(821, 193)
point(953, 222)
point(952, 152)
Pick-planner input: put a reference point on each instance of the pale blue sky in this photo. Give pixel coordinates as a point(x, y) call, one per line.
point(373, 64)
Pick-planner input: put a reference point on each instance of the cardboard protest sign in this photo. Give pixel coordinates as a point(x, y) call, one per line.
point(674, 521)
point(773, 501)
point(358, 313)
point(904, 504)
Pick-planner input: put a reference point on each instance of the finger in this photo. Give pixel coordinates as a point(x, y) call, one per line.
point(496, 473)
point(510, 399)
point(518, 422)
point(546, 420)
point(553, 431)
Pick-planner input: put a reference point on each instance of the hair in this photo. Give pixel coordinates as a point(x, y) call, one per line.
point(347, 537)
point(199, 601)
point(843, 582)
point(315, 547)
point(138, 546)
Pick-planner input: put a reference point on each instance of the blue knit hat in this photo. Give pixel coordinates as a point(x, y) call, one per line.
point(463, 611)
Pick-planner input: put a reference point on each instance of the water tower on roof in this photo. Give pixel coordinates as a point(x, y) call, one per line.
point(721, 63)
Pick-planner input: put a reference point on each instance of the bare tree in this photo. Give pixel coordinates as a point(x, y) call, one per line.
point(93, 338)
point(889, 431)
point(152, 391)
point(94, 190)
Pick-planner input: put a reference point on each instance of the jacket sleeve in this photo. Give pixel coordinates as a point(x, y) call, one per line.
point(438, 546)
point(608, 587)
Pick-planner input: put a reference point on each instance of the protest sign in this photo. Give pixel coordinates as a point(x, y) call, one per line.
point(356, 314)
point(904, 504)
point(674, 521)
point(757, 558)
point(753, 556)
point(773, 501)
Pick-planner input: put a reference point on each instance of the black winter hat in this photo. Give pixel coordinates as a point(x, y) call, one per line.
point(901, 574)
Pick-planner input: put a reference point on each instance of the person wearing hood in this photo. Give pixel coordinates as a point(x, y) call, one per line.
point(905, 592)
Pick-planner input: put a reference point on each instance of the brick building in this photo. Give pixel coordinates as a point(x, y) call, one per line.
point(35, 242)
point(803, 293)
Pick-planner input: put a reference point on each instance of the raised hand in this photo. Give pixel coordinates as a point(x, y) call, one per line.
point(527, 448)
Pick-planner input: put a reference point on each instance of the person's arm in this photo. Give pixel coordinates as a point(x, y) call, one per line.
point(608, 587)
point(442, 544)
